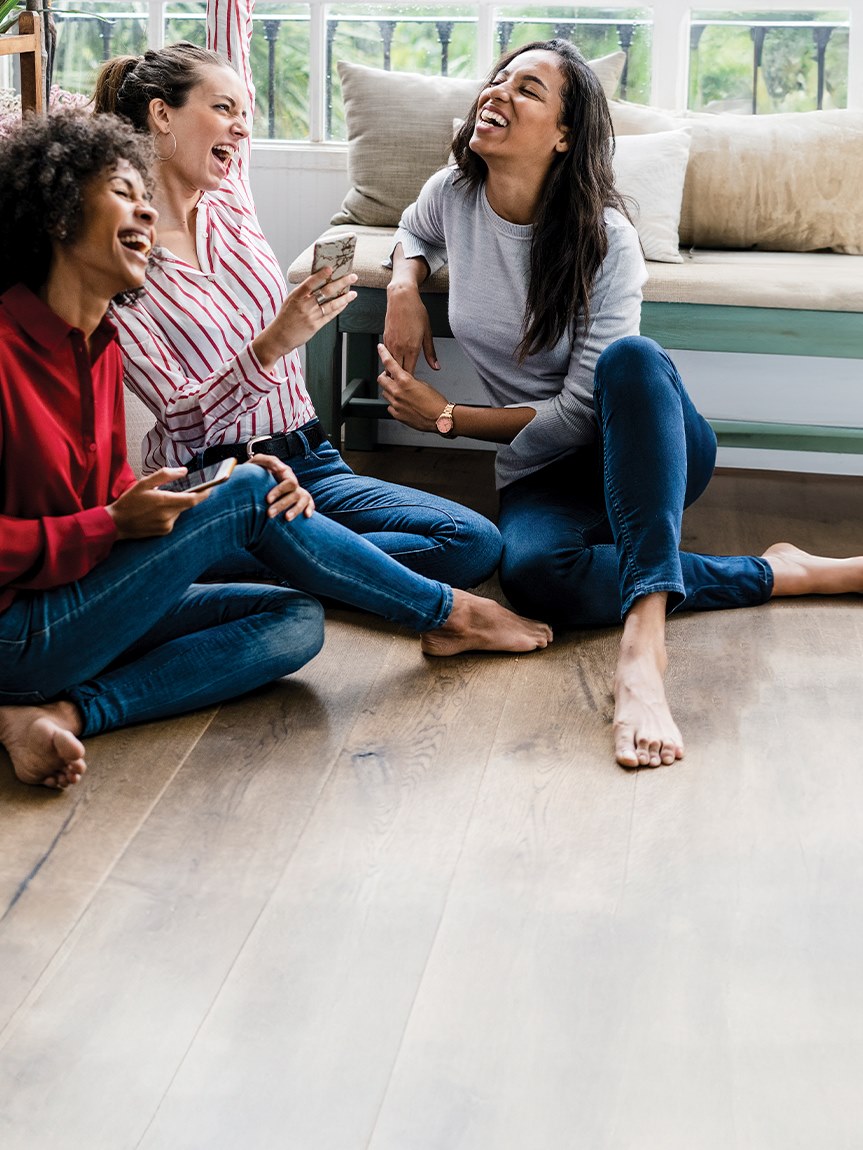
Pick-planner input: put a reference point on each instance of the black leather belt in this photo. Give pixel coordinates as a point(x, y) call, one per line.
point(282, 446)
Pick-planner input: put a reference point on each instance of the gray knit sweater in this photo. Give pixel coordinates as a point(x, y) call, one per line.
point(488, 271)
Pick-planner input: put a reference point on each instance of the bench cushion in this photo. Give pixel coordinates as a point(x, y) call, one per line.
point(822, 281)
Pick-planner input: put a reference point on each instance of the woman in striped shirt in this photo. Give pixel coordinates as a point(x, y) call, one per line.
point(212, 348)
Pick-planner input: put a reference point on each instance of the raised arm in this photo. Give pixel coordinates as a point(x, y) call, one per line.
point(229, 32)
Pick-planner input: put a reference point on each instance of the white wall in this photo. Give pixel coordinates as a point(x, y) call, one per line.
point(297, 190)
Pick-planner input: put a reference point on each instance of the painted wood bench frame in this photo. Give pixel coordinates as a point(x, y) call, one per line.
point(347, 348)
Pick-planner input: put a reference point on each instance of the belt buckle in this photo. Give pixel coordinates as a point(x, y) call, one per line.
point(250, 444)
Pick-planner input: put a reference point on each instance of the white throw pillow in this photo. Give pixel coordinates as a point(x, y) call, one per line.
point(649, 172)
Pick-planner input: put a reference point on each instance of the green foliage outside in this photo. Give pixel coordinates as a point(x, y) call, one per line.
point(720, 66)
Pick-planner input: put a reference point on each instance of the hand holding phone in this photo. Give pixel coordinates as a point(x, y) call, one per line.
point(337, 253)
point(202, 478)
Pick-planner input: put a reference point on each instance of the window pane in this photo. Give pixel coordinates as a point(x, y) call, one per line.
point(280, 62)
point(595, 31)
point(433, 41)
point(280, 66)
point(186, 20)
point(755, 61)
point(91, 33)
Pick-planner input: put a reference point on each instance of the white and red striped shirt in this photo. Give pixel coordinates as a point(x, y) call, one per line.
point(186, 342)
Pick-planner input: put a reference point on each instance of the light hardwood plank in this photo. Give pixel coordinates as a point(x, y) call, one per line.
point(58, 847)
point(104, 1030)
point(328, 978)
point(685, 977)
point(407, 903)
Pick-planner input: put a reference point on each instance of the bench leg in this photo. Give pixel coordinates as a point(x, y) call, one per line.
point(361, 361)
point(324, 379)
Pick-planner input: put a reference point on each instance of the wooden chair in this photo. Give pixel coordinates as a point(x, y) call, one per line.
point(28, 44)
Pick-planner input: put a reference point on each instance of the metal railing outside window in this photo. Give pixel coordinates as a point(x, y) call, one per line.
point(796, 63)
point(736, 61)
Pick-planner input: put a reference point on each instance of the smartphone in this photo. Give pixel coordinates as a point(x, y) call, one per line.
point(336, 253)
point(202, 479)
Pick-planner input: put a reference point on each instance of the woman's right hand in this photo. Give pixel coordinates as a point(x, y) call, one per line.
point(302, 314)
point(144, 510)
point(407, 327)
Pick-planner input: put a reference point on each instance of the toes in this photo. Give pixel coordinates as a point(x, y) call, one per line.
point(624, 748)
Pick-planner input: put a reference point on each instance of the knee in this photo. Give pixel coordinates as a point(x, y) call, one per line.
point(481, 547)
point(300, 631)
point(249, 479)
point(631, 367)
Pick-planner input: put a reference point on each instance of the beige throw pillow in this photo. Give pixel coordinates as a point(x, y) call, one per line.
point(786, 182)
point(649, 171)
point(400, 131)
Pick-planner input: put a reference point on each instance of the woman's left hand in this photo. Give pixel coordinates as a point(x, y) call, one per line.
point(287, 497)
point(411, 401)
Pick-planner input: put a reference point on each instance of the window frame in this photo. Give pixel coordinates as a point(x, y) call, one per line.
point(670, 49)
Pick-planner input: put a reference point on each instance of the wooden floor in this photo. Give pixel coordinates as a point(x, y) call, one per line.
point(408, 904)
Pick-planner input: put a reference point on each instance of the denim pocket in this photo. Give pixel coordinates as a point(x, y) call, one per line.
point(23, 699)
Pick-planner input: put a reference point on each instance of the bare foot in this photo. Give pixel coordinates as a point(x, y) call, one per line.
point(645, 735)
point(42, 743)
point(477, 624)
point(796, 572)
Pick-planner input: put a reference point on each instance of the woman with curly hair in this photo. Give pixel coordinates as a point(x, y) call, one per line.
point(600, 448)
point(102, 622)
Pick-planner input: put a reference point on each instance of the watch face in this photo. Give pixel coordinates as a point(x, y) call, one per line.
point(444, 424)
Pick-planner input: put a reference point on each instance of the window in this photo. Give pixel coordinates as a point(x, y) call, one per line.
point(768, 61)
point(765, 60)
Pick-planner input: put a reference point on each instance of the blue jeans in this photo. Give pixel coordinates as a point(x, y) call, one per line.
point(138, 639)
point(591, 533)
point(430, 535)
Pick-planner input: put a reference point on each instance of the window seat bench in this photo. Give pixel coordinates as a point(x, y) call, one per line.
point(778, 303)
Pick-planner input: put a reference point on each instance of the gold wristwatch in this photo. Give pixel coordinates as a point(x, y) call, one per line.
point(444, 422)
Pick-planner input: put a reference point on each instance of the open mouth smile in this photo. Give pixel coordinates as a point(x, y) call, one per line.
point(490, 116)
point(224, 153)
point(136, 241)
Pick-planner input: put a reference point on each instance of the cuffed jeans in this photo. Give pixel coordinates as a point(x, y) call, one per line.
point(426, 533)
point(137, 639)
point(588, 535)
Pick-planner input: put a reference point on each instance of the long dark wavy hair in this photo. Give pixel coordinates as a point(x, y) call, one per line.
point(569, 239)
point(126, 84)
point(44, 167)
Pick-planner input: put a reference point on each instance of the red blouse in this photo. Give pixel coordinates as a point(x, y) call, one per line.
point(62, 445)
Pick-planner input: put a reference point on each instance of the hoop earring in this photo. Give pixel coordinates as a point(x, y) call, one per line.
point(153, 140)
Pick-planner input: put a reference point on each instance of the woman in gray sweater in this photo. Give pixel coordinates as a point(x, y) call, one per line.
point(600, 447)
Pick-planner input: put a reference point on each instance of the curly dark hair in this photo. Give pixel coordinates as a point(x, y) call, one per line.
point(569, 240)
point(44, 166)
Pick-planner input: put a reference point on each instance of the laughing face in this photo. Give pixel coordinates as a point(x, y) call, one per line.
point(208, 128)
point(519, 113)
point(117, 232)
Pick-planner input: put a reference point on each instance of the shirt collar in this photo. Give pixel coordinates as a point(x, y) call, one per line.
point(44, 326)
